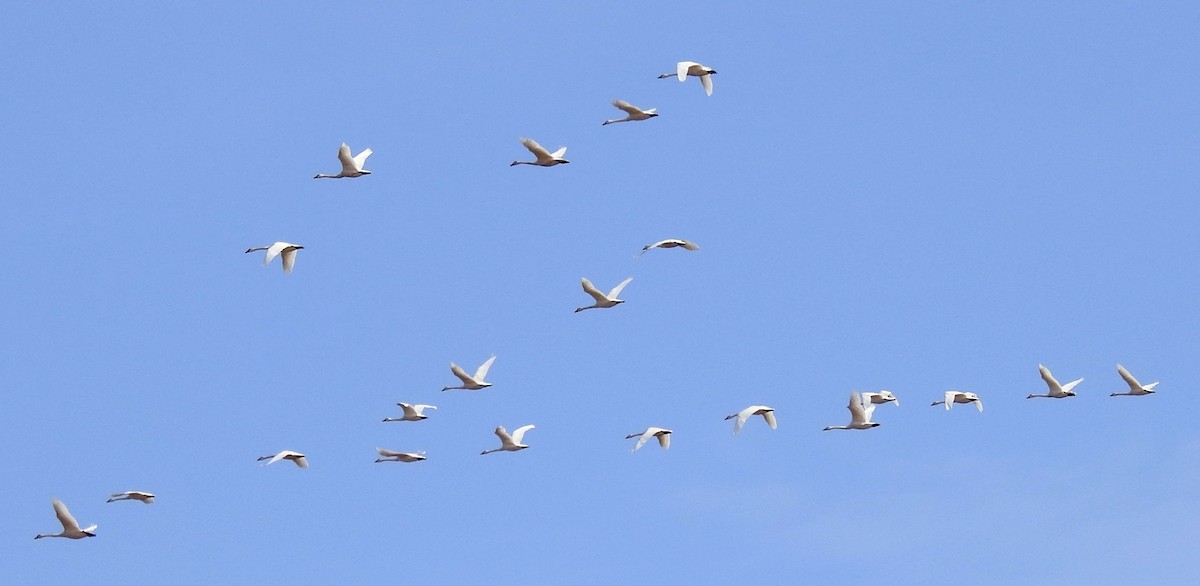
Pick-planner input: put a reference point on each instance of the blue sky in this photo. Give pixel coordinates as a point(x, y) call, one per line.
point(913, 196)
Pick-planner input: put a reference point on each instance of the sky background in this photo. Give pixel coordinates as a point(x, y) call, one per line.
point(914, 196)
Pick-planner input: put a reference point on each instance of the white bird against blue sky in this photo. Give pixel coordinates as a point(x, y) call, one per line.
point(132, 495)
point(510, 443)
point(1135, 388)
point(663, 435)
point(963, 397)
point(351, 166)
point(390, 456)
point(768, 415)
point(1056, 391)
point(411, 412)
point(634, 113)
point(685, 68)
point(286, 249)
point(671, 243)
point(471, 383)
point(860, 415)
point(880, 397)
point(296, 457)
point(602, 301)
point(71, 528)
point(543, 157)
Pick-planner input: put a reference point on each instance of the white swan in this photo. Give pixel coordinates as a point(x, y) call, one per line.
point(767, 413)
point(959, 397)
point(132, 495)
point(602, 300)
point(1057, 391)
point(287, 249)
point(411, 412)
point(880, 398)
point(390, 456)
point(71, 528)
point(351, 166)
point(1135, 388)
point(635, 113)
point(545, 158)
point(686, 68)
point(860, 416)
point(663, 435)
point(295, 457)
point(472, 383)
point(510, 443)
point(671, 243)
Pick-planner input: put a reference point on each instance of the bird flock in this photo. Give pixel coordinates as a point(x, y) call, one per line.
point(861, 404)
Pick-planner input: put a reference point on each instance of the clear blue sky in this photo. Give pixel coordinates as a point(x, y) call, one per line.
point(906, 195)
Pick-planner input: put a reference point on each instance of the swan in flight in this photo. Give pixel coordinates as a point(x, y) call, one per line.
point(390, 456)
point(351, 166)
point(880, 398)
point(767, 413)
point(686, 68)
point(132, 495)
point(635, 113)
point(411, 412)
point(545, 158)
point(296, 457)
point(860, 416)
point(510, 443)
point(1057, 391)
point(1135, 388)
point(602, 300)
point(671, 243)
point(471, 383)
point(959, 397)
point(71, 528)
point(663, 435)
point(287, 249)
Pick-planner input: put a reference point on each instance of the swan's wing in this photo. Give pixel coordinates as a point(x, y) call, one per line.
point(277, 457)
point(950, 399)
point(519, 434)
point(664, 440)
point(483, 369)
point(656, 244)
point(642, 439)
point(591, 289)
point(626, 106)
point(979, 404)
point(301, 461)
point(770, 417)
point(681, 69)
point(346, 159)
point(559, 153)
point(273, 251)
point(409, 410)
point(690, 245)
point(64, 516)
point(420, 408)
point(1050, 381)
point(706, 79)
point(617, 290)
point(289, 259)
point(387, 453)
point(1071, 385)
point(361, 159)
point(461, 374)
point(1133, 383)
point(502, 433)
point(857, 414)
point(542, 154)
